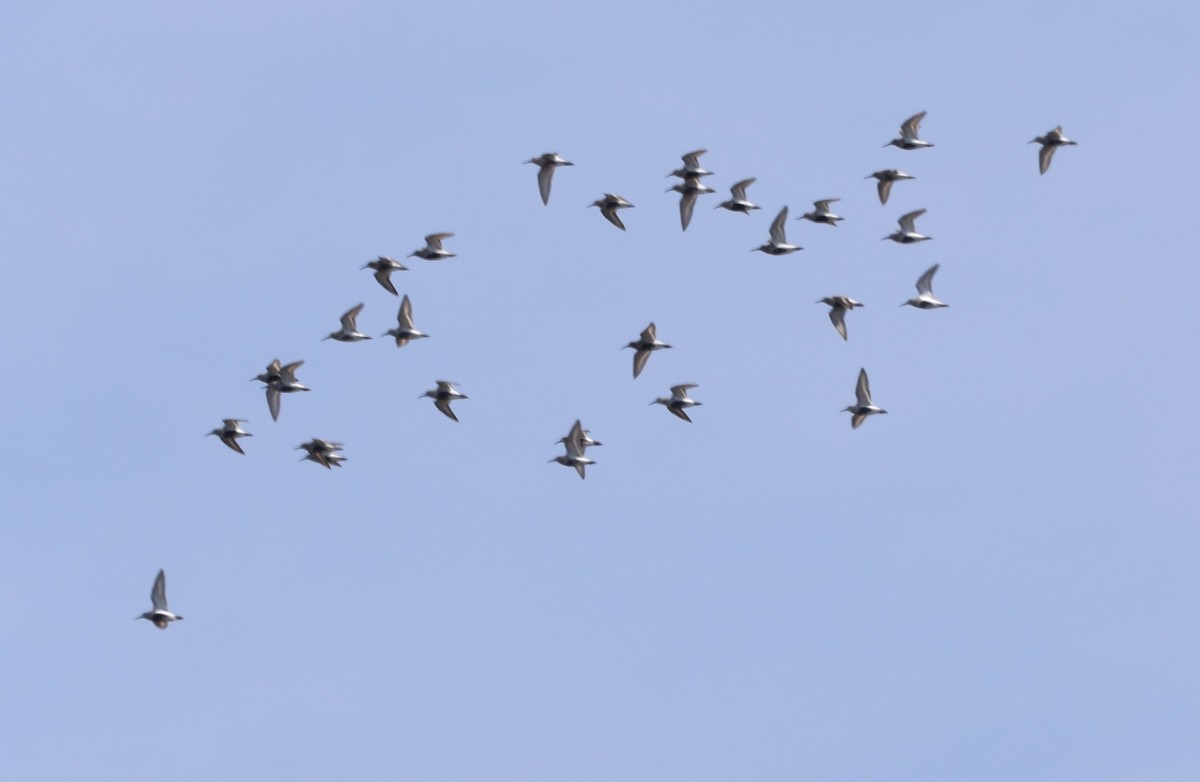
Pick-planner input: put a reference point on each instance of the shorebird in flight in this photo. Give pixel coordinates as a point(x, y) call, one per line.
point(546, 164)
point(160, 615)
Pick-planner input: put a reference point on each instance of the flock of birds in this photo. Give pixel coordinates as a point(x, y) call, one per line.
point(279, 379)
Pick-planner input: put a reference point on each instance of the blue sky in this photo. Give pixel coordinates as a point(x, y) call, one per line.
point(994, 581)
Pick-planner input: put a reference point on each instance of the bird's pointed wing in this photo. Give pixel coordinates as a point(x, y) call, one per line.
point(649, 334)
point(640, 357)
point(739, 189)
point(545, 176)
point(404, 317)
point(908, 221)
point(912, 126)
point(350, 318)
point(580, 468)
point(885, 190)
point(687, 204)
point(679, 412)
point(838, 316)
point(681, 390)
point(778, 232)
point(434, 241)
point(158, 595)
point(233, 443)
point(857, 420)
point(444, 406)
point(862, 390)
point(384, 278)
point(273, 396)
point(611, 215)
point(692, 159)
point(1044, 156)
point(925, 283)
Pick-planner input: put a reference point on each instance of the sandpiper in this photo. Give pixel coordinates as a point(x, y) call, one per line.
point(779, 243)
point(908, 231)
point(739, 202)
point(230, 432)
point(384, 267)
point(691, 166)
point(160, 615)
point(924, 299)
point(864, 407)
point(1050, 142)
point(575, 445)
point(349, 331)
point(280, 380)
point(646, 344)
point(838, 305)
point(404, 331)
point(432, 251)
point(678, 401)
point(443, 395)
point(323, 452)
point(609, 206)
point(689, 189)
point(886, 177)
point(546, 164)
point(821, 213)
point(909, 134)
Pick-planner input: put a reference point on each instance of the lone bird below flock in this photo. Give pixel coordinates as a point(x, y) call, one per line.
point(864, 407)
point(679, 401)
point(924, 299)
point(432, 251)
point(838, 305)
point(778, 245)
point(609, 206)
point(443, 395)
point(349, 331)
point(909, 134)
point(1050, 142)
point(886, 178)
point(908, 231)
point(384, 267)
point(546, 164)
point(643, 346)
point(230, 432)
point(160, 615)
point(404, 331)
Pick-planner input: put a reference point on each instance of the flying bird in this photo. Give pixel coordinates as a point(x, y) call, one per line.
point(546, 164)
point(576, 445)
point(643, 346)
point(691, 166)
point(404, 331)
point(679, 401)
point(908, 231)
point(778, 245)
point(432, 251)
point(349, 331)
point(739, 202)
point(384, 267)
point(924, 299)
point(838, 306)
point(280, 380)
point(909, 134)
point(609, 206)
point(863, 407)
point(886, 177)
point(443, 395)
point(230, 432)
point(1050, 142)
point(689, 189)
point(323, 452)
point(821, 213)
point(160, 615)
